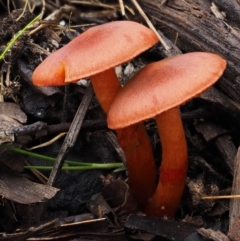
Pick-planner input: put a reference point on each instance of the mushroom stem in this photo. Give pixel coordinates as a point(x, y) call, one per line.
point(173, 169)
point(106, 86)
point(142, 171)
point(133, 140)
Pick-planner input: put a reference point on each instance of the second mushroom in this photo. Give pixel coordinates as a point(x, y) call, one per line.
point(157, 91)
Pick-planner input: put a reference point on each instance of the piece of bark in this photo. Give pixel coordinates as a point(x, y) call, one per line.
point(26, 73)
point(213, 235)
point(221, 139)
point(234, 232)
point(13, 110)
point(40, 129)
point(31, 232)
point(232, 9)
point(193, 27)
point(227, 150)
point(221, 104)
point(11, 117)
point(81, 227)
point(234, 211)
point(162, 228)
point(8, 124)
point(210, 130)
point(16, 188)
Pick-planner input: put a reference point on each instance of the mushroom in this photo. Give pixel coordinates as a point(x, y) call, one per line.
point(94, 54)
point(157, 91)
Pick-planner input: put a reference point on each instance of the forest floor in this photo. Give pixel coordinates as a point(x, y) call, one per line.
point(90, 198)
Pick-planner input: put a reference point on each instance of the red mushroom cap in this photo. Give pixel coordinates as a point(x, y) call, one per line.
point(97, 49)
point(163, 85)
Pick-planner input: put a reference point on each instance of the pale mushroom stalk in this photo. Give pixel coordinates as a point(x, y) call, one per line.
point(173, 169)
point(133, 140)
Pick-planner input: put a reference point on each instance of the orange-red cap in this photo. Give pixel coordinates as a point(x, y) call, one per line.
point(163, 85)
point(98, 49)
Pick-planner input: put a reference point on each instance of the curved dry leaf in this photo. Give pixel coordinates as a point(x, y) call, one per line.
point(17, 188)
point(13, 111)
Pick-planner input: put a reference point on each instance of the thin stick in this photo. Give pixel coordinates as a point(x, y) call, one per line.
point(72, 135)
point(50, 142)
point(149, 23)
point(24, 10)
point(122, 7)
point(43, 9)
point(221, 197)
